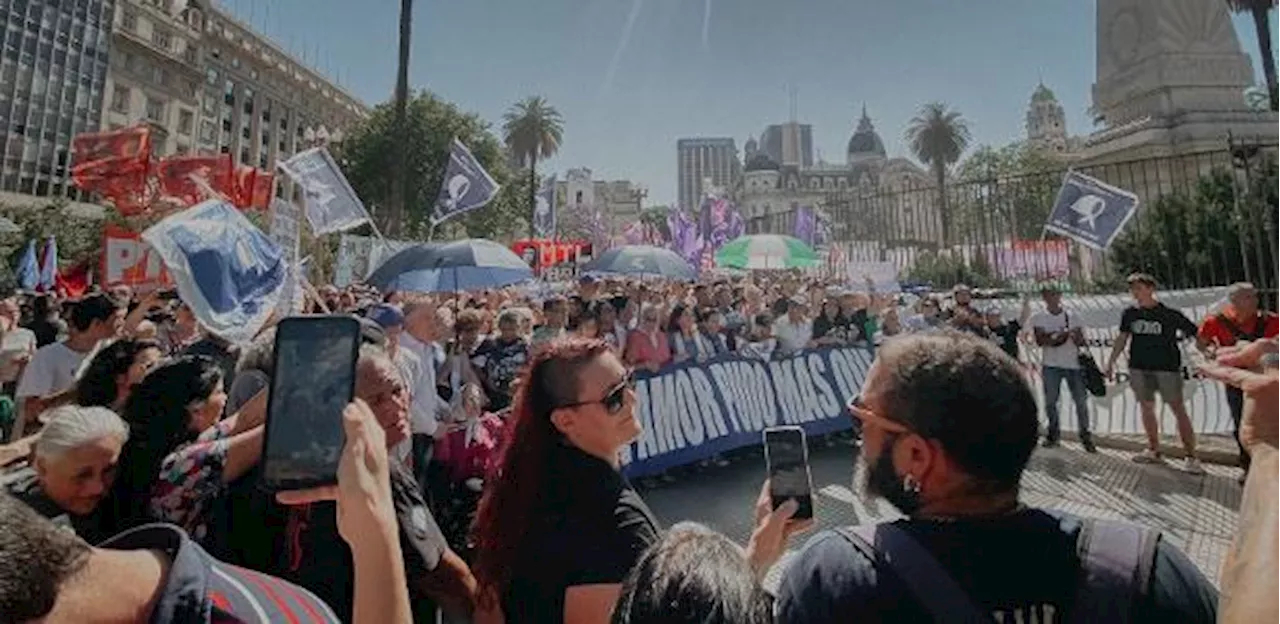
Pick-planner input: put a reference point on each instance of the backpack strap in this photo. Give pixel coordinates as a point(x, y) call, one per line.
point(1116, 559)
point(891, 548)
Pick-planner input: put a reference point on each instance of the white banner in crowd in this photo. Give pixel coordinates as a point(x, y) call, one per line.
point(691, 412)
point(284, 230)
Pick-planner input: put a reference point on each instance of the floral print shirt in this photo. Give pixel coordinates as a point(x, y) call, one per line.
point(190, 481)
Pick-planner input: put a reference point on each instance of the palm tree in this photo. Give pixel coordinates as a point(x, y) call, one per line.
point(532, 129)
point(938, 136)
point(1260, 10)
point(399, 181)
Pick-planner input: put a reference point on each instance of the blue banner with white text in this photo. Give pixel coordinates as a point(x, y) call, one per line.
point(692, 411)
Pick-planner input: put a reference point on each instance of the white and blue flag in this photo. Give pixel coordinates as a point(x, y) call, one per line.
point(28, 271)
point(1090, 210)
point(229, 272)
point(331, 204)
point(466, 185)
point(544, 209)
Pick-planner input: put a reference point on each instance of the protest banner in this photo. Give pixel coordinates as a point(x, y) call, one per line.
point(1090, 210)
point(693, 411)
point(128, 261)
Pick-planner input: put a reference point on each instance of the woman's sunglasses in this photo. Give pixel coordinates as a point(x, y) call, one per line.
point(614, 399)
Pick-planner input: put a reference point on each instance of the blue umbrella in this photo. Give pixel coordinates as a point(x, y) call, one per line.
point(471, 264)
point(642, 261)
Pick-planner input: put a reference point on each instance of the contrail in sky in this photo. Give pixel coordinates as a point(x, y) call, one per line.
point(706, 25)
point(636, 5)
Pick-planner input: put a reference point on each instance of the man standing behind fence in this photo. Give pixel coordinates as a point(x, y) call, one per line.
point(1241, 321)
point(1155, 366)
point(1060, 341)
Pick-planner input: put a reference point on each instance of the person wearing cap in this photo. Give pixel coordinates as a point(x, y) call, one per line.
point(1004, 333)
point(1060, 340)
point(390, 319)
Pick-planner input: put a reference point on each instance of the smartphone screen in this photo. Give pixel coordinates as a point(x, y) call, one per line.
point(313, 381)
point(788, 458)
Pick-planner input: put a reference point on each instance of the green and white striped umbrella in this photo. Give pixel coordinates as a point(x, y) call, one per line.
point(766, 251)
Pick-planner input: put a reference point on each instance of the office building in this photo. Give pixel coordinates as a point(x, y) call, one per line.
point(155, 75)
point(51, 88)
point(703, 164)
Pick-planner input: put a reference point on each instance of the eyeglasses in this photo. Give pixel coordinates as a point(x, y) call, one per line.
point(859, 410)
point(614, 398)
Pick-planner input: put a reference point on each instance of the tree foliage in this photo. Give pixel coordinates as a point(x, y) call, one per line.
point(1004, 193)
point(532, 129)
point(431, 125)
point(1223, 231)
point(938, 136)
point(944, 270)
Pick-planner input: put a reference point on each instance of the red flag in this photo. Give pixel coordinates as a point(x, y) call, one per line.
point(74, 282)
point(243, 184)
point(264, 189)
point(100, 155)
point(175, 173)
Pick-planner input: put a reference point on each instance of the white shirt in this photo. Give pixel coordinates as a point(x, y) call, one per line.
point(52, 369)
point(1065, 355)
point(792, 337)
point(426, 405)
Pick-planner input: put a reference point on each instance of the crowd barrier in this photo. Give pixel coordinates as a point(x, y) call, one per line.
point(693, 411)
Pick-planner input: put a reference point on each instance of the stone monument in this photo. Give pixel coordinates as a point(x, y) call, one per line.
point(1171, 79)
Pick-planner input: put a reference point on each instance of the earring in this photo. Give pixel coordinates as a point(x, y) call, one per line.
point(910, 485)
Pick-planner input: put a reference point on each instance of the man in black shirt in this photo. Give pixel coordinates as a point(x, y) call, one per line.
point(1152, 332)
point(967, 550)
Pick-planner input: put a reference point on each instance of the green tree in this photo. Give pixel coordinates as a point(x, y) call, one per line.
point(1260, 11)
point(943, 270)
point(532, 129)
point(656, 216)
point(938, 136)
point(1005, 193)
point(431, 124)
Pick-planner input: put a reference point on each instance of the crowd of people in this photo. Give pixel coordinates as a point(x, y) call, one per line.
point(481, 476)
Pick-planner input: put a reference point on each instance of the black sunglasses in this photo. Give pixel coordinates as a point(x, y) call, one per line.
point(612, 400)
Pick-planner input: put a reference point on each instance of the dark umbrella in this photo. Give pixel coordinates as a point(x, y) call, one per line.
point(642, 261)
point(471, 264)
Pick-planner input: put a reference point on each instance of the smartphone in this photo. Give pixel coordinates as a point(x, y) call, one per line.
point(787, 455)
point(314, 380)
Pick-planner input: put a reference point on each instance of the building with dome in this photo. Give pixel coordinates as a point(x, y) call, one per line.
point(770, 191)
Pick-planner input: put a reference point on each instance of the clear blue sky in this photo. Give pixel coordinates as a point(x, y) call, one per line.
point(627, 93)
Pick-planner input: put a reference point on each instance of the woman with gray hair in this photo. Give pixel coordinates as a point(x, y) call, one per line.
point(73, 467)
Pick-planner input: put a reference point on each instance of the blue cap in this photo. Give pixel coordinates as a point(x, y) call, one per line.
point(386, 315)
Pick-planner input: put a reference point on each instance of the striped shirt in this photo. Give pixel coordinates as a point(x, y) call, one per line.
point(200, 588)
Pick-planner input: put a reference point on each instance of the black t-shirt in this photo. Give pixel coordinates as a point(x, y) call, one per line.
point(500, 362)
point(589, 529)
point(310, 552)
point(1006, 335)
point(854, 324)
point(1020, 568)
point(1154, 332)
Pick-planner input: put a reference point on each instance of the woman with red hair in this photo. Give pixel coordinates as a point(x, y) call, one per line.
point(559, 527)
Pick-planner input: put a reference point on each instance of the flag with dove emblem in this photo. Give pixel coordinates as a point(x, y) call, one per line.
point(1091, 211)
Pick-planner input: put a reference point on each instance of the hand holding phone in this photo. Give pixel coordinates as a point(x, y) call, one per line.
point(313, 382)
point(787, 455)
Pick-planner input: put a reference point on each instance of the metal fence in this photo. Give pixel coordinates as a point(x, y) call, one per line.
point(1204, 219)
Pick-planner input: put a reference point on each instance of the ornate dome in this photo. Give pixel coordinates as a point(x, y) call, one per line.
point(760, 161)
point(865, 140)
point(1043, 94)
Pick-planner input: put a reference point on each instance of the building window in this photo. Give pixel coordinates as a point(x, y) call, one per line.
point(185, 121)
point(244, 155)
point(207, 131)
point(155, 110)
point(211, 77)
point(120, 99)
point(161, 76)
point(129, 21)
point(245, 132)
point(189, 53)
point(229, 93)
point(161, 38)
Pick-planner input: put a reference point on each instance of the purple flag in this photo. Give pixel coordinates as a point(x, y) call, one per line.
point(806, 224)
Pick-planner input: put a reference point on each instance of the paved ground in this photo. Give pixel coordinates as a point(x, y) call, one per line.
point(1197, 513)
